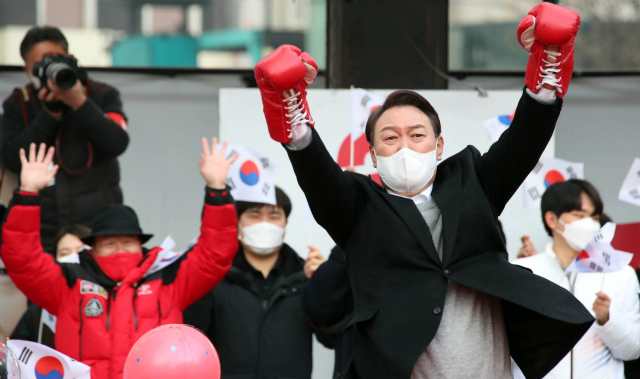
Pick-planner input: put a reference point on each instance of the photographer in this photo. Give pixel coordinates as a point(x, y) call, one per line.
point(81, 118)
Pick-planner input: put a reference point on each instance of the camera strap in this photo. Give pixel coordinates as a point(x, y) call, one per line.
point(25, 98)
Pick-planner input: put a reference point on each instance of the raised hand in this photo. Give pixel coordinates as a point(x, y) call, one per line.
point(35, 174)
point(314, 260)
point(601, 307)
point(527, 249)
point(283, 77)
point(213, 166)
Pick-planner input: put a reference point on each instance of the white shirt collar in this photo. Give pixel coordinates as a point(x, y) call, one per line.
point(419, 198)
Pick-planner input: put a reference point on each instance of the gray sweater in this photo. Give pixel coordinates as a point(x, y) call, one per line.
point(471, 341)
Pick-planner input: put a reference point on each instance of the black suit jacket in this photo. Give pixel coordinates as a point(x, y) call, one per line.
point(399, 283)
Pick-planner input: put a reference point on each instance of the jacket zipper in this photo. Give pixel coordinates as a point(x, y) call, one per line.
point(133, 305)
point(572, 289)
point(80, 331)
point(159, 313)
point(113, 294)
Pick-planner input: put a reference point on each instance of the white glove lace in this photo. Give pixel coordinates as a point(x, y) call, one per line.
point(297, 115)
point(549, 71)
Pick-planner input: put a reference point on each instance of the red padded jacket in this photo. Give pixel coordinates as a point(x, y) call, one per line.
point(99, 320)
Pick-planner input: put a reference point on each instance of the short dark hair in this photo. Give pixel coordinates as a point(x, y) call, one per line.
point(399, 99)
point(565, 197)
point(39, 34)
point(282, 201)
point(77, 230)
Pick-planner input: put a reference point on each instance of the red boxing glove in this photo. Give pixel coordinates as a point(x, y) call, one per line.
point(548, 32)
point(283, 77)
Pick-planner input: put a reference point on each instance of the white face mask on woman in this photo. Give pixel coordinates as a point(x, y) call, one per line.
point(407, 170)
point(580, 232)
point(263, 237)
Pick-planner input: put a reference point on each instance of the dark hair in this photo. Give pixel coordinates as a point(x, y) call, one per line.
point(77, 230)
point(282, 201)
point(39, 34)
point(604, 218)
point(399, 99)
point(565, 197)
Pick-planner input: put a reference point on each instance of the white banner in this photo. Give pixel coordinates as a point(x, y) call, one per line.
point(630, 191)
point(39, 361)
point(547, 172)
point(251, 176)
point(363, 103)
point(495, 126)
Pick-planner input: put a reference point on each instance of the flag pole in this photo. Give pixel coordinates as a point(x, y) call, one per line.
point(351, 129)
point(602, 285)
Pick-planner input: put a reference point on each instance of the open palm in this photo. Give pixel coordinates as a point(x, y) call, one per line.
point(35, 174)
point(214, 167)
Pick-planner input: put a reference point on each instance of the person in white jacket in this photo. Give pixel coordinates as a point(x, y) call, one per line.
point(570, 212)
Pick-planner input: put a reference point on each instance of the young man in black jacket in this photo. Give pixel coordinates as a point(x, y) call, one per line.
point(328, 302)
point(85, 123)
point(254, 317)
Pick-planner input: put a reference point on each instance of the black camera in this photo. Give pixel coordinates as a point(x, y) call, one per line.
point(62, 71)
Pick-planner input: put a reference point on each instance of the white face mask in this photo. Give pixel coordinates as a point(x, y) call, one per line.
point(407, 170)
point(580, 232)
point(71, 258)
point(263, 238)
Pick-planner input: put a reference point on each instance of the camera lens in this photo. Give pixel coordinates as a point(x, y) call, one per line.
point(62, 75)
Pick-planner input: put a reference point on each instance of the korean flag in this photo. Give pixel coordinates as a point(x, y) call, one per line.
point(547, 172)
point(251, 176)
point(38, 361)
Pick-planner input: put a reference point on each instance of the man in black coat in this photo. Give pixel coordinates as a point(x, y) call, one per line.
point(435, 295)
point(328, 302)
point(85, 123)
point(254, 317)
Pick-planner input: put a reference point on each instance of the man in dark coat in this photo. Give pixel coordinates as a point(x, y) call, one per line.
point(435, 295)
point(85, 123)
point(254, 317)
point(328, 302)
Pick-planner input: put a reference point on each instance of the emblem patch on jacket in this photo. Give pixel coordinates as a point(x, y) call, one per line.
point(88, 287)
point(145, 289)
point(93, 308)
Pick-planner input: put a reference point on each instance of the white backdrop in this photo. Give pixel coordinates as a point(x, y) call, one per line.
point(461, 114)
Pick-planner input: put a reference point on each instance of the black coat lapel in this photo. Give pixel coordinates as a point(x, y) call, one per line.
point(447, 193)
point(409, 213)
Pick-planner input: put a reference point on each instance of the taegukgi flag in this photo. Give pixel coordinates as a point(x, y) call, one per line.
point(547, 172)
point(630, 191)
point(497, 125)
point(363, 103)
point(251, 176)
point(42, 362)
point(599, 256)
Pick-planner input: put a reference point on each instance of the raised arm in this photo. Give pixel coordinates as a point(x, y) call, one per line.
point(548, 32)
point(211, 257)
point(283, 77)
point(35, 273)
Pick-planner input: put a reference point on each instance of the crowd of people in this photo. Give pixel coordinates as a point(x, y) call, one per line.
point(418, 285)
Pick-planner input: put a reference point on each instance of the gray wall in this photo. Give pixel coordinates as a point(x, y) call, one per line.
point(17, 12)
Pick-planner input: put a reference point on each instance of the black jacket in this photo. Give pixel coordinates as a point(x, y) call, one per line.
point(399, 283)
point(259, 333)
point(328, 302)
point(31, 328)
point(74, 199)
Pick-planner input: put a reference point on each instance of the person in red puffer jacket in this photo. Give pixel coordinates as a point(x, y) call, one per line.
point(119, 291)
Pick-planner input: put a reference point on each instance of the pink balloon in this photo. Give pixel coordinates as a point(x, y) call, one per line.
point(170, 352)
